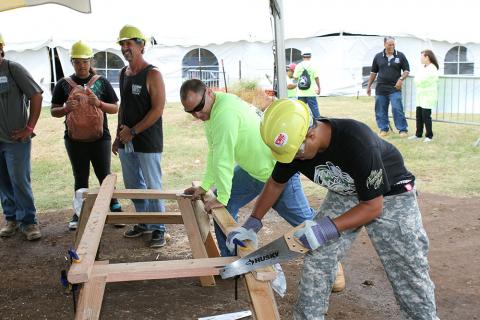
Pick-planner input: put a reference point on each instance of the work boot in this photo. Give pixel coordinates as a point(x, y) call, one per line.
point(9, 229)
point(403, 134)
point(135, 232)
point(383, 133)
point(158, 239)
point(339, 284)
point(32, 232)
point(73, 223)
point(116, 207)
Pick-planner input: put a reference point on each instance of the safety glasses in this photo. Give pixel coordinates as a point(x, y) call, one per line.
point(199, 106)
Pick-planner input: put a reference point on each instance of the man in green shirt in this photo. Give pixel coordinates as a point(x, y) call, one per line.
point(308, 93)
point(239, 163)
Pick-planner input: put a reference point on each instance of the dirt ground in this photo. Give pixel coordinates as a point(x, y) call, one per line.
point(30, 273)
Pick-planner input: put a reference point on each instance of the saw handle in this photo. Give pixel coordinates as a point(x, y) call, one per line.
point(293, 243)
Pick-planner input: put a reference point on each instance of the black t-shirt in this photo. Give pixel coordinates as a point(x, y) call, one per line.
point(102, 89)
point(388, 71)
point(357, 162)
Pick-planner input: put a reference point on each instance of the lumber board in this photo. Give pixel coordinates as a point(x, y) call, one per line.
point(87, 206)
point(90, 297)
point(262, 298)
point(194, 237)
point(144, 217)
point(142, 194)
point(90, 240)
point(169, 269)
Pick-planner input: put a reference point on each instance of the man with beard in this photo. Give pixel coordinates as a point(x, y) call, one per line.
point(17, 87)
point(139, 141)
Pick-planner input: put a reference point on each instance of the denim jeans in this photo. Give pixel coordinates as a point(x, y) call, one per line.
point(292, 205)
point(381, 112)
point(15, 186)
point(143, 171)
point(312, 104)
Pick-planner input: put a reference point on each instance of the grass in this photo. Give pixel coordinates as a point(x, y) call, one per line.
point(447, 166)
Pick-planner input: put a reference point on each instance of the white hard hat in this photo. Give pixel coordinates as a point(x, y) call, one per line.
point(307, 51)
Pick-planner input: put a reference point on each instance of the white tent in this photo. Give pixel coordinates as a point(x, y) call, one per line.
point(240, 33)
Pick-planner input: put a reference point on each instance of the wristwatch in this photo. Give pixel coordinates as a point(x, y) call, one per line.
point(133, 132)
point(401, 79)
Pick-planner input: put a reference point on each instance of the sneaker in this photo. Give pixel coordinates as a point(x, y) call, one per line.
point(9, 229)
point(339, 284)
point(158, 239)
point(135, 232)
point(403, 134)
point(427, 140)
point(116, 207)
point(414, 138)
point(32, 232)
point(383, 133)
point(73, 223)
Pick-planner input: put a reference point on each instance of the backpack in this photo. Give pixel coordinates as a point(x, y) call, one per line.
point(85, 123)
point(304, 81)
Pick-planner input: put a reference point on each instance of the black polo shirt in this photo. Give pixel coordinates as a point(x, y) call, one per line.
point(388, 71)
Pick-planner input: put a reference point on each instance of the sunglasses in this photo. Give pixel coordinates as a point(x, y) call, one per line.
point(200, 105)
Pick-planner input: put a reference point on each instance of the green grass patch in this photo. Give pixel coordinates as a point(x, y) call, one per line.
point(448, 165)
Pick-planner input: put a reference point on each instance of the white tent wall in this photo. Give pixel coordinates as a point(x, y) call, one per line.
point(37, 62)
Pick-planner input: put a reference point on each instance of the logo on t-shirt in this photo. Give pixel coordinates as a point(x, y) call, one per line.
point(281, 139)
point(136, 89)
point(333, 178)
point(375, 179)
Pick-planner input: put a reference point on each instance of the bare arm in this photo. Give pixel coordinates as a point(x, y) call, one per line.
point(270, 193)
point(35, 109)
point(317, 80)
point(372, 78)
point(156, 89)
point(361, 214)
point(399, 83)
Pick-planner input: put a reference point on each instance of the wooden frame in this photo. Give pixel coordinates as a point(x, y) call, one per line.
point(206, 258)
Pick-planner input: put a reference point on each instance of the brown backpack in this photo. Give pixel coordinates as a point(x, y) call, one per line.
point(85, 123)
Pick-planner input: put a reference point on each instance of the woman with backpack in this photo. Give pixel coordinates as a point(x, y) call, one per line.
point(84, 99)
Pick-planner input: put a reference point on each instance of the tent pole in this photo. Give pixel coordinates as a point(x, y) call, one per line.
point(54, 67)
point(277, 12)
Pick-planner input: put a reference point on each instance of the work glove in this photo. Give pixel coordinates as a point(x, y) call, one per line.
point(248, 231)
point(317, 233)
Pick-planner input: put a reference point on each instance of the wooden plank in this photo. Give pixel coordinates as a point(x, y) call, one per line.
point(203, 220)
point(194, 237)
point(87, 206)
point(169, 269)
point(228, 224)
point(91, 297)
point(142, 194)
point(262, 298)
point(144, 217)
point(259, 288)
point(88, 246)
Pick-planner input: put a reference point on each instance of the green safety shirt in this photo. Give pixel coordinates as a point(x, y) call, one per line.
point(233, 136)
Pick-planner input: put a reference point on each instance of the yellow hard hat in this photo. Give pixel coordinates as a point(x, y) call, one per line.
point(1, 40)
point(130, 32)
point(284, 127)
point(81, 50)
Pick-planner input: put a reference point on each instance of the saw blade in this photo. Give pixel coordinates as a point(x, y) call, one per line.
point(275, 252)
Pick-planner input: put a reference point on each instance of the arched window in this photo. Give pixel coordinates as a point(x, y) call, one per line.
point(458, 61)
point(293, 55)
point(201, 64)
point(108, 65)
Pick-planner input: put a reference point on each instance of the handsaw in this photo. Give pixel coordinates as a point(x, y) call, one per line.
point(285, 248)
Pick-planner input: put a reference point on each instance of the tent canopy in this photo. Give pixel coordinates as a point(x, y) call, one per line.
point(190, 23)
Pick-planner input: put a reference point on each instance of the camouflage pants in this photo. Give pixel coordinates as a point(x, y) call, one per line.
point(401, 243)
